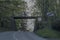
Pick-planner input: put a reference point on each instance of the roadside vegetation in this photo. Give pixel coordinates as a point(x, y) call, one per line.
point(48, 33)
point(9, 9)
point(48, 10)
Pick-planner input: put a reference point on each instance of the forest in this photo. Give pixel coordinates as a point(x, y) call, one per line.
point(48, 10)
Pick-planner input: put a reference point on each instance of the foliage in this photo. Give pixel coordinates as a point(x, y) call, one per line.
point(47, 33)
point(46, 6)
point(10, 8)
point(7, 8)
point(56, 25)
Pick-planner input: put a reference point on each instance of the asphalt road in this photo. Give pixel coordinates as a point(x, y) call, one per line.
point(19, 36)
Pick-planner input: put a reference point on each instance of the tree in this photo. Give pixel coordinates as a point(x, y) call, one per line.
point(46, 6)
point(10, 8)
point(7, 8)
point(43, 7)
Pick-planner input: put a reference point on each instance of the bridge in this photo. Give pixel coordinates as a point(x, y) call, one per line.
point(12, 22)
point(26, 17)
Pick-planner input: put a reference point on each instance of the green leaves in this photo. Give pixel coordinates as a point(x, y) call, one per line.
point(10, 8)
point(7, 8)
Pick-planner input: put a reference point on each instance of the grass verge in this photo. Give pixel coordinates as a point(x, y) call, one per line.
point(48, 33)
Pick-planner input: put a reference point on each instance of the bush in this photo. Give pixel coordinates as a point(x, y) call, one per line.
point(56, 25)
point(47, 33)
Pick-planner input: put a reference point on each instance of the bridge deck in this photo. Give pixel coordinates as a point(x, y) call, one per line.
point(29, 17)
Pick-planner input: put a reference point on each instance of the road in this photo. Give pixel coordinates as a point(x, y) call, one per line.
point(16, 35)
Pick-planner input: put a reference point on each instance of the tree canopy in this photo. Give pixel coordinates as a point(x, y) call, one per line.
point(46, 6)
point(8, 8)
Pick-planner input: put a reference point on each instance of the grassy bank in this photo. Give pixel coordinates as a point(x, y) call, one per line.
point(48, 33)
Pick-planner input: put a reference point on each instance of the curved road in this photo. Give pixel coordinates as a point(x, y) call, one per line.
point(19, 36)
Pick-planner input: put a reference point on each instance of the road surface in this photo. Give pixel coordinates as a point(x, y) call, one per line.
point(19, 36)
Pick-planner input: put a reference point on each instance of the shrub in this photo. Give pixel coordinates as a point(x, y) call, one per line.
point(56, 25)
point(47, 33)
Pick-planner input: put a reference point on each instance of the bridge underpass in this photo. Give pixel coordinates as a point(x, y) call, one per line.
point(24, 23)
